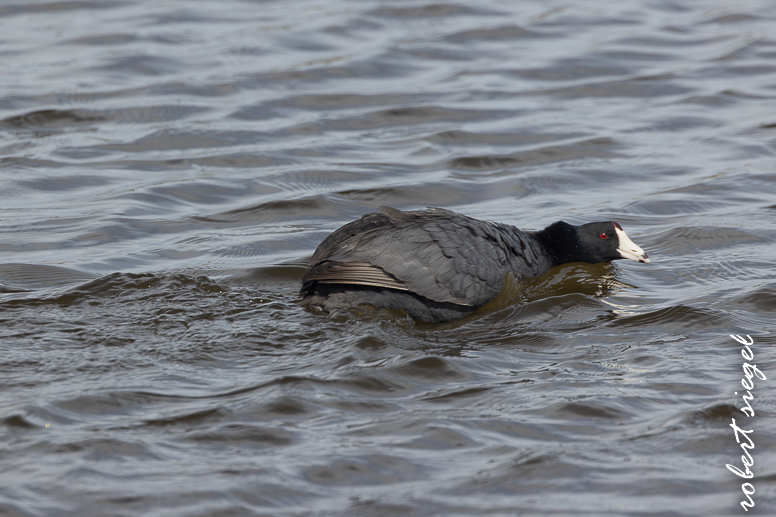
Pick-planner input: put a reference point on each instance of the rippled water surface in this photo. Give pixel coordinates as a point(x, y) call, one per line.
point(168, 168)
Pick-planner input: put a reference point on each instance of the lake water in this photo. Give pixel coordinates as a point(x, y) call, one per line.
point(168, 168)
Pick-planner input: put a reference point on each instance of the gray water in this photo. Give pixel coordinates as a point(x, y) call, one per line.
point(168, 168)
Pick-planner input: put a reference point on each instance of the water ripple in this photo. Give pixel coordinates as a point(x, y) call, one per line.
point(169, 168)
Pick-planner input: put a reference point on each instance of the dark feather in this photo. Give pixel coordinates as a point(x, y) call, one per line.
point(445, 261)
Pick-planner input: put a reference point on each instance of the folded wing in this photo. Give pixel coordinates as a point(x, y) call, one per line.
point(446, 258)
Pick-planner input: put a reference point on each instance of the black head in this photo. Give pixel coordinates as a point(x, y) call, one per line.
point(591, 242)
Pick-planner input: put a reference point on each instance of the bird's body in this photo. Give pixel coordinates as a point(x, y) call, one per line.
point(438, 265)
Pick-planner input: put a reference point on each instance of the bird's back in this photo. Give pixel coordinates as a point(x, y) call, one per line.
point(436, 254)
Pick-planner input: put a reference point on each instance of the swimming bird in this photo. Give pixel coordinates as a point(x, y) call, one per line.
point(438, 265)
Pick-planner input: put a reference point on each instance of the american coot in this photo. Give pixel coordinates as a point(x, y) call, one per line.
point(439, 265)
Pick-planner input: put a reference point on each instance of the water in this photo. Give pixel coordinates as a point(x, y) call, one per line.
point(168, 168)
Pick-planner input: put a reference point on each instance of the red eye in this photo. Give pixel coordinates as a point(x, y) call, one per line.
point(603, 236)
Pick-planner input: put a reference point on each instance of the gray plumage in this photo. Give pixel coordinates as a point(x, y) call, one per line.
point(435, 264)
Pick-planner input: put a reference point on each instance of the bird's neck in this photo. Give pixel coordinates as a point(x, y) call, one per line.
point(561, 241)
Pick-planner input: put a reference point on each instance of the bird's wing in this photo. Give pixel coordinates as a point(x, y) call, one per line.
point(361, 273)
point(443, 256)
